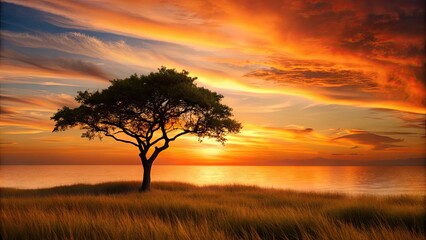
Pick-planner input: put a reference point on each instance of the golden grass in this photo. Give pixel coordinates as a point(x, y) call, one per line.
point(184, 211)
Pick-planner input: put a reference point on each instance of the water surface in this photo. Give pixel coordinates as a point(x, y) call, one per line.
point(352, 180)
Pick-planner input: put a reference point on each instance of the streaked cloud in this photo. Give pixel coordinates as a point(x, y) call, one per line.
point(49, 102)
point(379, 47)
point(79, 43)
point(31, 112)
point(409, 119)
point(377, 142)
point(300, 75)
point(12, 61)
point(311, 77)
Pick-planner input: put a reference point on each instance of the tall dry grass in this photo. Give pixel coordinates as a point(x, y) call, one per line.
point(183, 211)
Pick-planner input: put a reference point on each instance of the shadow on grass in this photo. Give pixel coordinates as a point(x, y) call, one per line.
point(373, 216)
point(110, 188)
point(76, 189)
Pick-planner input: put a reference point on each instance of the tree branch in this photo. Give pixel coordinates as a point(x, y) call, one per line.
point(158, 150)
point(180, 134)
point(120, 140)
point(125, 130)
point(157, 140)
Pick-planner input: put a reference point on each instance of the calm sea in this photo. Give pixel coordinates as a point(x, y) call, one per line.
point(352, 180)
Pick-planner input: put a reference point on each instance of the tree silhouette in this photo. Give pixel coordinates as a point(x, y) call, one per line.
point(149, 112)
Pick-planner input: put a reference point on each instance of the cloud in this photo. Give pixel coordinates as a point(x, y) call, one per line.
point(6, 110)
point(117, 54)
point(354, 53)
point(31, 112)
point(4, 98)
point(376, 50)
point(347, 84)
point(24, 132)
point(377, 31)
point(146, 19)
point(253, 104)
point(79, 43)
point(45, 102)
point(57, 84)
point(300, 130)
point(384, 39)
point(396, 133)
point(21, 64)
point(34, 122)
point(377, 142)
point(409, 120)
point(316, 78)
point(413, 120)
point(271, 136)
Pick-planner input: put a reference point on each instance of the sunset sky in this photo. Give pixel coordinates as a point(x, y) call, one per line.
point(311, 81)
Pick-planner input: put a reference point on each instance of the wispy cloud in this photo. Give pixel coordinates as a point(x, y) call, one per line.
point(31, 112)
point(47, 102)
point(376, 49)
point(409, 120)
point(377, 142)
point(23, 64)
point(269, 58)
point(81, 44)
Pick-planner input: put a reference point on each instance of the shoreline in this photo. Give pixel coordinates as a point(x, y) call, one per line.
point(133, 185)
point(350, 180)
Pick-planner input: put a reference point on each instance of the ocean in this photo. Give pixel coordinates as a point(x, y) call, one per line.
point(341, 179)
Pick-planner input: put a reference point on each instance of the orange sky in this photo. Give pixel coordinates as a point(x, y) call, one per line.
point(309, 80)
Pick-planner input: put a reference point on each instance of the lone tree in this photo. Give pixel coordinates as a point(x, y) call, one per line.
point(149, 112)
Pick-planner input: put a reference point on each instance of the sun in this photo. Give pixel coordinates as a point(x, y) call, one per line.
point(211, 151)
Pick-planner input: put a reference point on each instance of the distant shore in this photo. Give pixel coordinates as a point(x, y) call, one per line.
point(183, 211)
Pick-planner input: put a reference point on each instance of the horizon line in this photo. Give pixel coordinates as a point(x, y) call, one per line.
point(238, 165)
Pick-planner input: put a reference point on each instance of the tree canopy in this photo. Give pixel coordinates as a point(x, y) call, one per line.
point(150, 111)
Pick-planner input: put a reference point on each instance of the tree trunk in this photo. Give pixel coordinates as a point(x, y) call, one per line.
point(146, 182)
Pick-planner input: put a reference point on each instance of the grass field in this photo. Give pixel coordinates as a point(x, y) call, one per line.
point(184, 211)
